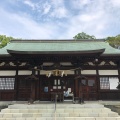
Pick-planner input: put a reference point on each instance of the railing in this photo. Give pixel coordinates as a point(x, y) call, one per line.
point(56, 96)
point(56, 101)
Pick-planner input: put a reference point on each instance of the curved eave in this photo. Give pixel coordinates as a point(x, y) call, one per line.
point(110, 55)
point(3, 55)
point(39, 53)
point(6, 57)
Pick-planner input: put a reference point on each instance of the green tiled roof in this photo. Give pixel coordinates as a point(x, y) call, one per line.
point(63, 45)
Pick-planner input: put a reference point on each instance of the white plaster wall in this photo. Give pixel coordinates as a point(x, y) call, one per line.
point(88, 72)
point(24, 72)
point(3, 63)
point(62, 63)
point(66, 63)
point(69, 72)
point(23, 64)
point(47, 63)
point(12, 64)
point(7, 73)
point(108, 72)
point(113, 82)
point(42, 72)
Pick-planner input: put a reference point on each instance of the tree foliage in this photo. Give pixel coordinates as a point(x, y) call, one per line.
point(83, 35)
point(4, 40)
point(114, 41)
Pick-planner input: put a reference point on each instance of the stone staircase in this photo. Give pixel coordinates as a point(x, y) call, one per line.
point(63, 112)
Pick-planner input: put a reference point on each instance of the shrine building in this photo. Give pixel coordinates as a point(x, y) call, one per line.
point(35, 69)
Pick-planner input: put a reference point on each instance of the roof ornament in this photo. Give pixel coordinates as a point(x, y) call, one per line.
point(58, 72)
point(55, 73)
point(62, 73)
point(49, 74)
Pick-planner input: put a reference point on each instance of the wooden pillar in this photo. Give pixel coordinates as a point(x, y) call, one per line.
point(38, 90)
point(37, 86)
point(32, 96)
point(76, 85)
point(79, 84)
point(97, 81)
point(16, 83)
point(33, 86)
point(118, 66)
point(119, 74)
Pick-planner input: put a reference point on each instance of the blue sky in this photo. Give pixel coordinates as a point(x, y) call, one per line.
point(59, 19)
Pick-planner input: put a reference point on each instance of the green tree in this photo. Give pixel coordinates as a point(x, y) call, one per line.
point(4, 40)
point(114, 41)
point(83, 35)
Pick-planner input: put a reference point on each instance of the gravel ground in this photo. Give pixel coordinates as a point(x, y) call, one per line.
point(115, 108)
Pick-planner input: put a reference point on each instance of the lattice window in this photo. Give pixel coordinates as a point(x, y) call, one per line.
point(7, 83)
point(104, 83)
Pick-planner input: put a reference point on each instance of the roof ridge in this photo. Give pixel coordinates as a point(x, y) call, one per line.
point(56, 41)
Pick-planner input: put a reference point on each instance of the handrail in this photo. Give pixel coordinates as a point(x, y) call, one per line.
point(55, 101)
point(55, 105)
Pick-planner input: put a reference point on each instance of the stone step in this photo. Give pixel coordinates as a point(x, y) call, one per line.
point(88, 110)
point(63, 118)
point(16, 115)
point(63, 112)
point(33, 106)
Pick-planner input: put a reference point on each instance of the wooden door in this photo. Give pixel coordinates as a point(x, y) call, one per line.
point(60, 85)
point(50, 86)
point(44, 89)
point(55, 85)
point(89, 88)
point(26, 88)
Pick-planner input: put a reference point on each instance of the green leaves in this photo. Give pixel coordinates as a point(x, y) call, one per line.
point(114, 41)
point(83, 35)
point(4, 40)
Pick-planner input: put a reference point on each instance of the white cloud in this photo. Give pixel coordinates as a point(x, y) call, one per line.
point(22, 27)
point(89, 17)
point(59, 13)
point(115, 3)
point(77, 4)
point(83, 2)
point(59, 9)
point(57, 3)
point(46, 8)
point(29, 3)
point(100, 18)
point(93, 22)
point(53, 8)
